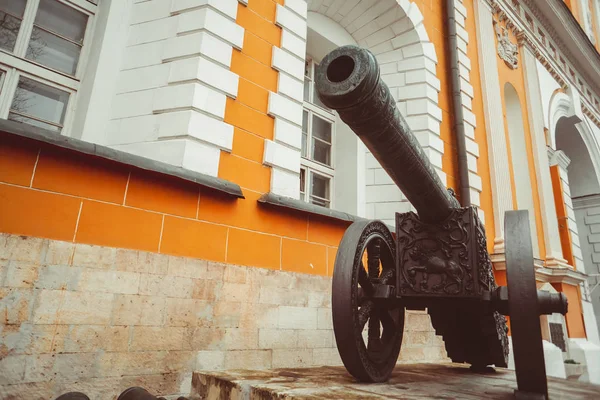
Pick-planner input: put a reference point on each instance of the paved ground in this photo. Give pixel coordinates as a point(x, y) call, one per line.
point(410, 381)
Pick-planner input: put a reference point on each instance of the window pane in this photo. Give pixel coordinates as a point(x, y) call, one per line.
point(316, 99)
point(34, 99)
point(302, 183)
point(14, 7)
point(321, 129)
point(320, 190)
point(305, 134)
point(53, 51)
point(307, 76)
point(25, 120)
point(321, 152)
point(61, 19)
point(306, 89)
point(9, 29)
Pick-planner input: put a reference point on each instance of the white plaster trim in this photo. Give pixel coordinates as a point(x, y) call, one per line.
point(177, 118)
point(467, 89)
point(493, 111)
point(277, 155)
point(545, 191)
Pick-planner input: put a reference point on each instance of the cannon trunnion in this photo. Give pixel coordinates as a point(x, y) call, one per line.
point(438, 260)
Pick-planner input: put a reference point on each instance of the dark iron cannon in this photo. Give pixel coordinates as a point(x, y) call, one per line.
point(437, 261)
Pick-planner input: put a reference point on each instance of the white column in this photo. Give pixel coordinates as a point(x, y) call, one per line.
point(494, 123)
point(554, 256)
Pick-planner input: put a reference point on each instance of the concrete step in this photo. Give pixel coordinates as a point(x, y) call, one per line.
point(409, 381)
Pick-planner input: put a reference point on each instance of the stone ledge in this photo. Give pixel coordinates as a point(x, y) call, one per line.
point(54, 139)
point(299, 205)
point(410, 381)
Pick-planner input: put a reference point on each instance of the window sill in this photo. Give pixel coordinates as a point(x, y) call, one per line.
point(302, 206)
point(52, 138)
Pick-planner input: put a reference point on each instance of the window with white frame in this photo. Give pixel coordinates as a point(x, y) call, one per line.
point(43, 46)
point(318, 134)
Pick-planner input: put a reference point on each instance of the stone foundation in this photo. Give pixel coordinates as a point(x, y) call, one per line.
point(99, 319)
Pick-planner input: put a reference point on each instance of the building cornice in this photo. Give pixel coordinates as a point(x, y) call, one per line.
point(551, 33)
point(560, 275)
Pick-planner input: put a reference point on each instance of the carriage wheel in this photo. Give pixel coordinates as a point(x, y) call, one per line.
point(368, 332)
point(523, 305)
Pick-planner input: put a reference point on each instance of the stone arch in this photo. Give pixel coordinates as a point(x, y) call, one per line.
point(578, 158)
point(563, 111)
point(394, 31)
point(560, 107)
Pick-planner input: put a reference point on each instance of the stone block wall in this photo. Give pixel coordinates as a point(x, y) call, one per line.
point(100, 319)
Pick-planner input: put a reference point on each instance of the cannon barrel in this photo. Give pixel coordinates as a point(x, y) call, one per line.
point(348, 81)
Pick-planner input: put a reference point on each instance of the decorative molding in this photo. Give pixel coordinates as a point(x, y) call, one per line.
point(558, 157)
point(507, 50)
point(568, 56)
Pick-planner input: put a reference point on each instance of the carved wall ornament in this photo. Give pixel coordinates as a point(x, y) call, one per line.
point(507, 50)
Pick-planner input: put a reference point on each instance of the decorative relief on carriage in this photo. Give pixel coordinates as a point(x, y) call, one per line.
point(434, 259)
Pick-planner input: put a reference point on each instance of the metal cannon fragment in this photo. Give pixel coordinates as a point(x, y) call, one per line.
point(132, 393)
point(438, 259)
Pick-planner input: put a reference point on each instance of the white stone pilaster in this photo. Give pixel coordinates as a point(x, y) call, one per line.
point(554, 256)
point(283, 153)
point(174, 82)
point(494, 123)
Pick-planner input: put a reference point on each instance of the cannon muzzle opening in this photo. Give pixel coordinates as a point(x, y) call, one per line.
point(346, 77)
point(340, 69)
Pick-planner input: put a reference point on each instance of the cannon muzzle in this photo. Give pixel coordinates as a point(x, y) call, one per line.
point(348, 81)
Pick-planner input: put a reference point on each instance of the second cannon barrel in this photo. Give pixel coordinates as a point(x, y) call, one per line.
point(348, 81)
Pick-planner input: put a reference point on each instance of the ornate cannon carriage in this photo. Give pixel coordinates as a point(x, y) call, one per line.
point(438, 259)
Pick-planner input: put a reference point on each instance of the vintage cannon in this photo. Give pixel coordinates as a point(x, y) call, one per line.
point(438, 260)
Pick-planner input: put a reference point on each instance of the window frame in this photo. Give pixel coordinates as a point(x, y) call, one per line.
point(15, 64)
point(308, 164)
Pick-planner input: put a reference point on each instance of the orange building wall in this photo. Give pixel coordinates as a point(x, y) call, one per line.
point(63, 195)
point(574, 318)
point(561, 213)
point(516, 78)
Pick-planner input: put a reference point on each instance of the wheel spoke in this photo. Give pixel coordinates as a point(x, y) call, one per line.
point(374, 332)
point(364, 282)
point(387, 320)
point(374, 257)
point(362, 296)
point(364, 313)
